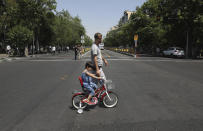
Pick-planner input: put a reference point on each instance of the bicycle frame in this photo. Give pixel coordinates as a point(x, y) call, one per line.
point(100, 93)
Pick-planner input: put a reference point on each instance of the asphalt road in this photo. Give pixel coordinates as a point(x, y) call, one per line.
point(155, 94)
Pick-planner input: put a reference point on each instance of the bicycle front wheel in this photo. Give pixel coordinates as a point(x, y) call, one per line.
point(110, 100)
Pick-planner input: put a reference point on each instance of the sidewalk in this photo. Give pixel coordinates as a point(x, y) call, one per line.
point(5, 57)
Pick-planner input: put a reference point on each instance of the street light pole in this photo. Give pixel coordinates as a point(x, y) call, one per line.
point(33, 43)
point(136, 39)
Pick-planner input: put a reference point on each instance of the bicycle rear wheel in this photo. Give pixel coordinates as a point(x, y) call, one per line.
point(77, 102)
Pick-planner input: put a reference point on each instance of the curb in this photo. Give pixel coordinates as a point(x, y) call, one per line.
point(5, 59)
point(126, 54)
point(123, 53)
point(1, 60)
point(9, 59)
point(132, 55)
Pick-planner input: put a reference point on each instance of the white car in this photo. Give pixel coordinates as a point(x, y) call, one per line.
point(174, 51)
point(101, 46)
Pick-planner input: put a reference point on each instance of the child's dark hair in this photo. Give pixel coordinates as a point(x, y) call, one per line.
point(90, 64)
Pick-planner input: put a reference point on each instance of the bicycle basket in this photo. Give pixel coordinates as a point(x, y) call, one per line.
point(109, 84)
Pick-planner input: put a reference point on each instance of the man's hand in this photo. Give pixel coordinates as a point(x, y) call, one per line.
point(98, 73)
point(106, 62)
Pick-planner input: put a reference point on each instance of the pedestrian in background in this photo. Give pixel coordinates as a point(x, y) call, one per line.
point(157, 51)
point(67, 49)
point(79, 51)
point(8, 49)
point(76, 52)
point(53, 50)
point(50, 49)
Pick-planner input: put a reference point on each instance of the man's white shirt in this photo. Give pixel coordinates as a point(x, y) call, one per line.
point(96, 51)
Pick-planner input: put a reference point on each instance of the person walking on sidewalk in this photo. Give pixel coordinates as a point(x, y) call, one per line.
point(53, 50)
point(96, 56)
point(67, 49)
point(8, 50)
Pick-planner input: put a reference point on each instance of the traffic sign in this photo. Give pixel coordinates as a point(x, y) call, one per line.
point(82, 41)
point(135, 37)
point(82, 37)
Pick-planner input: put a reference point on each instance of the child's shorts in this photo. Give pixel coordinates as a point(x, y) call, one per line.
point(90, 87)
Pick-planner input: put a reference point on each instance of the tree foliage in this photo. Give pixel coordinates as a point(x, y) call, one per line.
point(40, 20)
point(19, 35)
point(162, 23)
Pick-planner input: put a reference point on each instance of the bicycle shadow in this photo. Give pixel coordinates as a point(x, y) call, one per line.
point(88, 107)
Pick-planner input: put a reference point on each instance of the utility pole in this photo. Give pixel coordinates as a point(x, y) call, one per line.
point(33, 44)
point(135, 39)
point(187, 43)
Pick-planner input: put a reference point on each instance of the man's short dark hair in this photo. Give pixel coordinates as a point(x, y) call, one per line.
point(96, 36)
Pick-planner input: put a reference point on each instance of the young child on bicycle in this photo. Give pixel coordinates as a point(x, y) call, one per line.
point(87, 81)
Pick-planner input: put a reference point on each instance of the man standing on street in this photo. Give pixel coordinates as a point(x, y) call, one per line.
point(96, 56)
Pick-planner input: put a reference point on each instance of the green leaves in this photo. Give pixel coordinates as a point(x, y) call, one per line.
point(24, 19)
point(67, 29)
point(162, 23)
point(20, 36)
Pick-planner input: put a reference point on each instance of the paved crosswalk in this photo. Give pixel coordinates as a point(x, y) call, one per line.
point(109, 55)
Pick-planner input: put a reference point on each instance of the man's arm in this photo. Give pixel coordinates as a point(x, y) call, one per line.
point(96, 65)
point(105, 61)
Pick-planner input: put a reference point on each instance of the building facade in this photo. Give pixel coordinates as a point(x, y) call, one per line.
point(124, 19)
point(126, 16)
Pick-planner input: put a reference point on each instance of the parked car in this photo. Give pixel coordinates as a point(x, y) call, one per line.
point(174, 52)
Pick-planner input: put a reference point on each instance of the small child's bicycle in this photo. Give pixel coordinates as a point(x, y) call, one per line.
point(102, 95)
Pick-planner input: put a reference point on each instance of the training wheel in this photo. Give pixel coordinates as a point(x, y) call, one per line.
point(80, 111)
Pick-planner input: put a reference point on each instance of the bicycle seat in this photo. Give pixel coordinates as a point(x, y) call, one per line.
point(81, 82)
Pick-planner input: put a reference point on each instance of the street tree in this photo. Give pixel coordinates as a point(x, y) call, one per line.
point(19, 36)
